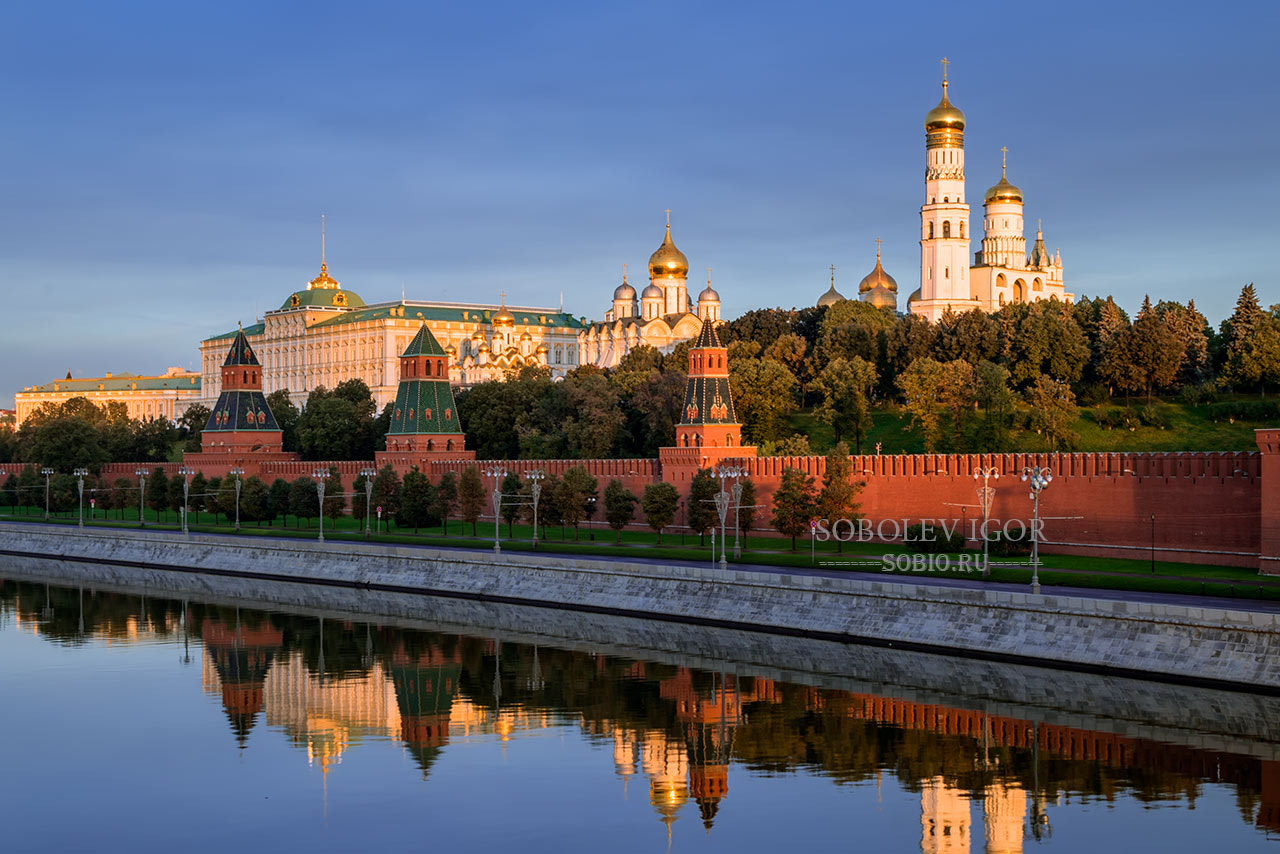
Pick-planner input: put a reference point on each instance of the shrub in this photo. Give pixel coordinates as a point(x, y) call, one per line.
point(939, 543)
point(1151, 416)
point(998, 546)
point(1244, 410)
point(1201, 393)
point(1093, 395)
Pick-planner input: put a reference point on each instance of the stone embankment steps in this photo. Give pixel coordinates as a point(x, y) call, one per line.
point(1170, 641)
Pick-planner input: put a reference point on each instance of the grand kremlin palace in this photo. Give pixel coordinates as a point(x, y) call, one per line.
point(324, 334)
point(165, 396)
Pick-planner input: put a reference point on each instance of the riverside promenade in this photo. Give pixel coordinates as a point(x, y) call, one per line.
point(1191, 639)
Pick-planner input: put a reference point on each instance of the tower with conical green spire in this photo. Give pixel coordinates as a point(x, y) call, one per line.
point(424, 420)
point(241, 421)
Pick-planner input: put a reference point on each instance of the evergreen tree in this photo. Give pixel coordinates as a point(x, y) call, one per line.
point(659, 506)
point(575, 497)
point(278, 501)
point(701, 513)
point(1152, 349)
point(210, 502)
point(359, 503)
point(1053, 411)
point(158, 492)
point(123, 495)
point(838, 498)
point(335, 499)
point(471, 497)
point(747, 506)
point(446, 498)
point(415, 504)
point(227, 496)
point(286, 415)
point(794, 504)
point(304, 501)
point(198, 488)
point(386, 492)
point(253, 500)
point(619, 506)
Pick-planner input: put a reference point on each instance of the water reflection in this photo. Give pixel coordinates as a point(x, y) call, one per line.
point(682, 736)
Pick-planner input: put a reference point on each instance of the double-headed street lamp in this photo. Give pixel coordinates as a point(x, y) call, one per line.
point(236, 473)
point(986, 494)
point(535, 478)
point(48, 473)
point(368, 474)
point(186, 472)
point(142, 496)
point(1038, 477)
point(320, 475)
point(497, 473)
point(722, 500)
point(81, 474)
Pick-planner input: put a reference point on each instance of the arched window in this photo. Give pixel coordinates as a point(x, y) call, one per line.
point(946, 200)
point(946, 228)
point(962, 229)
point(728, 441)
point(1019, 291)
point(931, 231)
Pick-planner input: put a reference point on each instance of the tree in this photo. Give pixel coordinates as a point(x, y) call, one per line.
point(993, 397)
point(1192, 333)
point(702, 515)
point(10, 492)
point(845, 386)
point(656, 406)
point(956, 395)
point(921, 384)
point(446, 499)
point(839, 496)
point(1053, 411)
point(210, 502)
point(198, 488)
point(575, 497)
point(253, 500)
point(28, 487)
point(659, 506)
point(1258, 362)
point(1043, 337)
point(227, 496)
point(335, 499)
point(1153, 351)
point(794, 504)
point(304, 502)
point(746, 511)
point(387, 492)
point(63, 443)
point(191, 425)
point(971, 336)
point(549, 506)
point(1112, 363)
point(763, 395)
point(277, 500)
point(415, 505)
point(286, 414)
point(158, 491)
point(177, 496)
point(471, 497)
point(512, 497)
point(619, 506)
point(360, 509)
point(330, 428)
point(122, 495)
point(911, 338)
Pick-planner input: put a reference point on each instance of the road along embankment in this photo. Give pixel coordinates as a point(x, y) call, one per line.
point(1166, 641)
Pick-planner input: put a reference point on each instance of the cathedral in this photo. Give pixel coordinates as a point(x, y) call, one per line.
point(1001, 272)
point(661, 317)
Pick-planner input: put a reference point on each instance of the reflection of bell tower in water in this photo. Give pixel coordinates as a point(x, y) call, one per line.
point(944, 818)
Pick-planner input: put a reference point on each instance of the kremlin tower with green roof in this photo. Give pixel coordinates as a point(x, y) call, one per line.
point(424, 419)
point(241, 421)
point(709, 430)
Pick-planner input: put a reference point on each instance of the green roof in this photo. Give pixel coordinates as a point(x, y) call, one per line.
point(449, 314)
point(424, 406)
point(424, 344)
point(323, 298)
point(123, 382)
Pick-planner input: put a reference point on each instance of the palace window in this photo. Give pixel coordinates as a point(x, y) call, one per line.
point(946, 228)
point(931, 231)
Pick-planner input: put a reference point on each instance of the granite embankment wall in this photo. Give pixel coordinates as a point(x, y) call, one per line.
point(1171, 641)
point(1092, 707)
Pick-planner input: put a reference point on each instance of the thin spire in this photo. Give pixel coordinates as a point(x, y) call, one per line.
point(402, 291)
point(624, 274)
point(1004, 159)
point(322, 260)
point(668, 219)
point(708, 277)
point(1038, 230)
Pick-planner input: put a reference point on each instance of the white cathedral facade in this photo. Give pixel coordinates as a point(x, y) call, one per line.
point(1002, 272)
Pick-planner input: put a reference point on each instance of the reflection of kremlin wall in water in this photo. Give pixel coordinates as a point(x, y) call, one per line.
point(683, 734)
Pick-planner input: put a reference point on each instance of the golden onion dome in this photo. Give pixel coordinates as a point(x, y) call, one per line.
point(668, 261)
point(881, 297)
point(502, 317)
point(484, 348)
point(915, 297)
point(477, 335)
point(945, 116)
point(831, 297)
point(526, 337)
point(877, 277)
point(450, 351)
point(542, 348)
point(1003, 192)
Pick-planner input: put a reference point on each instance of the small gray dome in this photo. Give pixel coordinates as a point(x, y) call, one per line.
point(624, 291)
point(651, 292)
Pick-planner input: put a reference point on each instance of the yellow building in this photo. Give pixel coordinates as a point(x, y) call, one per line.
point(165, 396)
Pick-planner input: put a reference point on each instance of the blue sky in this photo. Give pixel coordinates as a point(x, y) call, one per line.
point(167, 163)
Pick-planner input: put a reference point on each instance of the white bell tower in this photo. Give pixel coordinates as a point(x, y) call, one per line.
point(944, 216)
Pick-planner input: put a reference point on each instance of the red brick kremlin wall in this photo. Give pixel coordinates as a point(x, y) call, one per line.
point(1207, 506)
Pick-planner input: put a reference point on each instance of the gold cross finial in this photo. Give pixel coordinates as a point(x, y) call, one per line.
point(624, 273)
point(503, 296)
point(708, 277)
point(833, 275)
point(945, 63)
point(668, 218)
point(1004, 159)
point(877, 250)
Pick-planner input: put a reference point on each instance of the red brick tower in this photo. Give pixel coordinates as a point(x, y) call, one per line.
point(424, 425)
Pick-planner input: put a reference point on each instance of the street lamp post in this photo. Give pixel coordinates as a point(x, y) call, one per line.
point(497, 473)
point(186, 473)
point(722, 500)
point(48, 473)
point(368, 475)
point(142, 497)
point(535, 478)
point(986, 493)
point(1039, 477)
point(320, 475)
point(81, 474)
point(237, 472)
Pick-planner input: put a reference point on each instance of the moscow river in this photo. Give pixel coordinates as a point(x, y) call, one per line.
point(161, 721)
